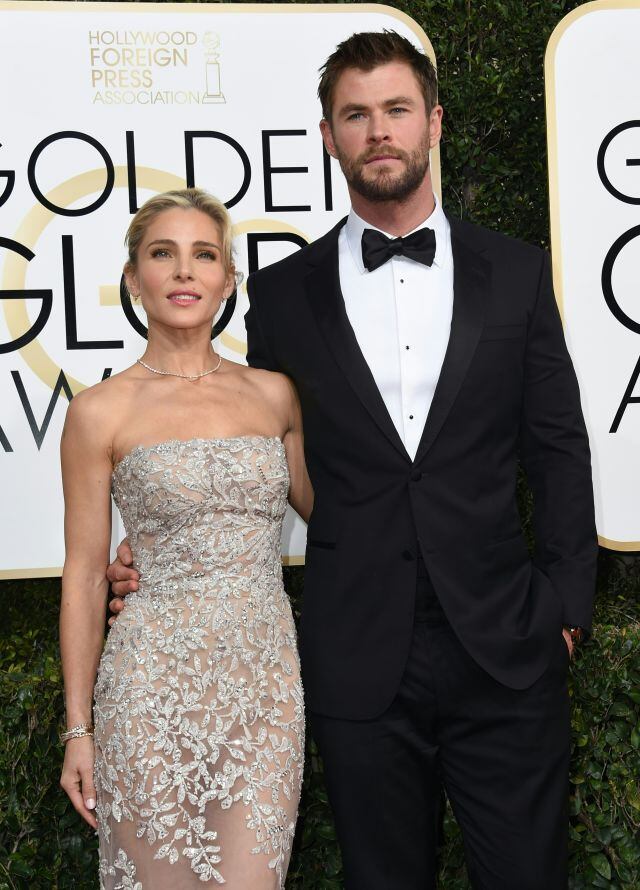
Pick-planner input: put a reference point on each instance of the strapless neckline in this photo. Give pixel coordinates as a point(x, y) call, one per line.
point(195, 440)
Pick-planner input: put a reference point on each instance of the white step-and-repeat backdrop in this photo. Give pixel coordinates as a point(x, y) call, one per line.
point(593, 122)
point(102, 105)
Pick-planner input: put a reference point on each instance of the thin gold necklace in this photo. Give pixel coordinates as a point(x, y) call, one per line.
point(175, 373)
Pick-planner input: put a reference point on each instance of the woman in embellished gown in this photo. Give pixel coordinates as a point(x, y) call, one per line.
point(191, 767)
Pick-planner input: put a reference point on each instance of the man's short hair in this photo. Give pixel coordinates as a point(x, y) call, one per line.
point(366, 51)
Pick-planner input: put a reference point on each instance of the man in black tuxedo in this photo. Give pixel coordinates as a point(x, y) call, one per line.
point(429, 357)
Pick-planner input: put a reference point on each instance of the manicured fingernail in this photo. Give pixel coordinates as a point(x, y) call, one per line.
point(90, 803)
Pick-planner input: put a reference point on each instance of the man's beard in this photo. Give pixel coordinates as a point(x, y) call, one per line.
point(386, 186)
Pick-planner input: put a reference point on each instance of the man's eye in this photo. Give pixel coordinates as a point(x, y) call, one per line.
point(398, 110)
point(356, 115)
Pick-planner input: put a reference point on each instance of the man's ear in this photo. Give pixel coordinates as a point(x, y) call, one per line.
point(327, 137)
point(435, 125)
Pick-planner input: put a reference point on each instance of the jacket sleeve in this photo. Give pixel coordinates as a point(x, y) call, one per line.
point(556, 458)
point(259, 349)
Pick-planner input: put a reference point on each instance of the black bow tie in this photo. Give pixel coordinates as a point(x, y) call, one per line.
point(377, 248)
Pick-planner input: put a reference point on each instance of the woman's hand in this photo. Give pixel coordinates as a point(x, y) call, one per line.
point(77, 777)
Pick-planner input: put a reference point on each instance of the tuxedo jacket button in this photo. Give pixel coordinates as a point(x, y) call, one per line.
point(408, 555)
point(416, 476)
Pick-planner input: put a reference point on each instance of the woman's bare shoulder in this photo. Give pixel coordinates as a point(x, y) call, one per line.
point(273, 384)
point(99, 403)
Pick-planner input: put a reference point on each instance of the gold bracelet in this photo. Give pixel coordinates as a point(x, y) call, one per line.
point(77, 732)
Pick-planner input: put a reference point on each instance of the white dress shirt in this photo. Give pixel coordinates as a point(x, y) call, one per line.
point(401, 316)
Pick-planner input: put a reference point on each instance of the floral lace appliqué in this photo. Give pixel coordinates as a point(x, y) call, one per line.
point(198, 702)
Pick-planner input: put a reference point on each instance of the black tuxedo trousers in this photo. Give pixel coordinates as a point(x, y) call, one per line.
point(502, 755)
point(507, 394)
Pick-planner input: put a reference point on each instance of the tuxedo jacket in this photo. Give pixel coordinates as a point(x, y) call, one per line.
point(507, 392)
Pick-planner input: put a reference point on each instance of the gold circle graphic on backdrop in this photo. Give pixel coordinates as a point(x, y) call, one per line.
point(28, 233)
point(39, 217)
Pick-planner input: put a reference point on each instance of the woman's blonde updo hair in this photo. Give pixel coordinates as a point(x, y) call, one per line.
point(187, 199)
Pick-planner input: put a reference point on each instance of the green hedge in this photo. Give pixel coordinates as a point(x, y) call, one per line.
point(490, 57)
point(44, 844)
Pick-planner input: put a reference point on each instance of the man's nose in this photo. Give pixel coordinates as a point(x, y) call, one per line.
point(378, 128)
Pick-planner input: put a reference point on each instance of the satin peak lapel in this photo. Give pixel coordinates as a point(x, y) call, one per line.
point(327, 303)
point(471, 281)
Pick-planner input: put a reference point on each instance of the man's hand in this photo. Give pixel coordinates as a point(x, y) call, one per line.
point(568, 641)
point(123, 578)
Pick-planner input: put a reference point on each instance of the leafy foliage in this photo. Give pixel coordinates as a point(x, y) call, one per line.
point(45, 846)
point(490, 56)
point(43, 843)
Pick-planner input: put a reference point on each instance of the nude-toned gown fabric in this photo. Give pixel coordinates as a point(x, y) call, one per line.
point(198, 703)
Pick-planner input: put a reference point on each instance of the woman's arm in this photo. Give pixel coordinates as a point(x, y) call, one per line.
point(86, 479)
point(300, 490)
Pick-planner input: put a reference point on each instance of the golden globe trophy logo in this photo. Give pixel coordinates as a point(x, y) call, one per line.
point(212, 55)
point(115, 103)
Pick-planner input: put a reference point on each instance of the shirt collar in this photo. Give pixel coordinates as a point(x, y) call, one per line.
point(355, 226)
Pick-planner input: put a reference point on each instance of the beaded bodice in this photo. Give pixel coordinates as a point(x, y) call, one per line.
point(203, 507)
